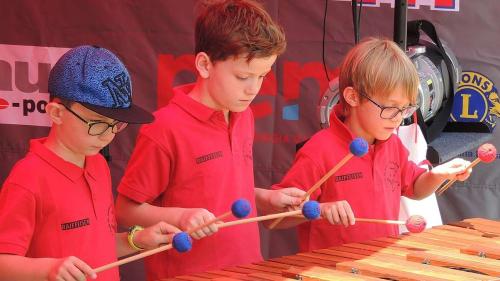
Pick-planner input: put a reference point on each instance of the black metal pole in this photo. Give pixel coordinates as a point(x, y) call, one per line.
point(355, 20)
point(400, 22)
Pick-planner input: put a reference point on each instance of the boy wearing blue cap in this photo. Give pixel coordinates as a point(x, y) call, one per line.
point(57, 218)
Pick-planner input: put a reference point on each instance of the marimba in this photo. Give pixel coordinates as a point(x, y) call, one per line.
point(465, 250)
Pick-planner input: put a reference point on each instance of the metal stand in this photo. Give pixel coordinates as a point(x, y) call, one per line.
point(400, 22)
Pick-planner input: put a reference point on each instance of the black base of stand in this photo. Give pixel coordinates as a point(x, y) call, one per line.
point(449, 145)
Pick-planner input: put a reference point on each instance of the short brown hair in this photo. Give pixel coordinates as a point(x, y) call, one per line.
point(226, 28)
point(377, 67)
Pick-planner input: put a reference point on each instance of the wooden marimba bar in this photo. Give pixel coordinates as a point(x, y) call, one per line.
point(466, 250)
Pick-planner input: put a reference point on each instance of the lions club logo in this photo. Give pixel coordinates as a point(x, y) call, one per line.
point(476, 100)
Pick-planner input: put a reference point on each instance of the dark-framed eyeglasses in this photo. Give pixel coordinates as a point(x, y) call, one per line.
point(390, 112)
point(96, 127)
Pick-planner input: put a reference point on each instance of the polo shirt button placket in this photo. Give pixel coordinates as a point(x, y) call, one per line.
point(91, 183)
point(371, 156)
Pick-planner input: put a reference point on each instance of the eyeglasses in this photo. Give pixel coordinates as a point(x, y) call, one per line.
point(389, 112)
point(97, 128)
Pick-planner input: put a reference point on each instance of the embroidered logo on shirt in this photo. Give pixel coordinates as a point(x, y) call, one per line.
point(208, 157)
point(348, 177)
point(391, 174)
point(75, 224)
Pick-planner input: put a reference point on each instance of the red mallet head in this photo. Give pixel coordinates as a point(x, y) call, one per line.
point(487, 152)
point(415, 224)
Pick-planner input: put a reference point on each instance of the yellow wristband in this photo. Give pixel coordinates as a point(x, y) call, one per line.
point(130, 237)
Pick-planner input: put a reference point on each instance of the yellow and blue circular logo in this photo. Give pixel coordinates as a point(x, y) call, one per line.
point(476, 100)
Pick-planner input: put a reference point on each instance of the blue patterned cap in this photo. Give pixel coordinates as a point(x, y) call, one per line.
point(97, 79)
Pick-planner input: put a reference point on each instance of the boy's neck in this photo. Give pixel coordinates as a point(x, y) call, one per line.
point(352, 123)
point(54, 144)
point(200, 94)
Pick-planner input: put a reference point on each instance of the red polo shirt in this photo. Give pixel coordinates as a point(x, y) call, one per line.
point(53, 208)
point(190, 157)
point(372, 184)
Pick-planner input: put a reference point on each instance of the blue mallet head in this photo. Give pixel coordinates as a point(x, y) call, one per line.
point(241, 208)
point(358, 147)
point(182, 242)
point(311, 210)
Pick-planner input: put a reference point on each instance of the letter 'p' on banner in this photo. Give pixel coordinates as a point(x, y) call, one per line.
point(24, 73)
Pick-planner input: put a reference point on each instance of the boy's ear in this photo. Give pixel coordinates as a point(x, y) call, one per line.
point(54, 110)
point(351, 97)
point(203, 64)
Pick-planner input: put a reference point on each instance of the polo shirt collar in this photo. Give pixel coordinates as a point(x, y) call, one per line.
point(337, 125)
point(195, 108)
point(68, 169)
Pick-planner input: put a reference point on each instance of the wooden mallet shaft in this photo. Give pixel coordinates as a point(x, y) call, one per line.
point(327, 176)
point(486, 153)
point(157, 250)
point(381, 221)
point(318, 184)
point(414, 224)
point(219, 218)
point(133, 258)
point(261, 218)
point(450, 182)
point(367, 220)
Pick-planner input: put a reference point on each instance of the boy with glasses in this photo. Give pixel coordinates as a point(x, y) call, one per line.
point(378, 88)
point(57, 217)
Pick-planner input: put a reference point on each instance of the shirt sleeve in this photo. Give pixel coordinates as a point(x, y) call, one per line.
point(410, 171)
point(17, 219)
point(303, 174)
point(148, 171)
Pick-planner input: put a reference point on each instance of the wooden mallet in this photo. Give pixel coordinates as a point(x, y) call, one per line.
point(240, 209)
point(358, 147)
point(182, 241)
point(414, 224)
point(310, 210)
point(485, 153)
